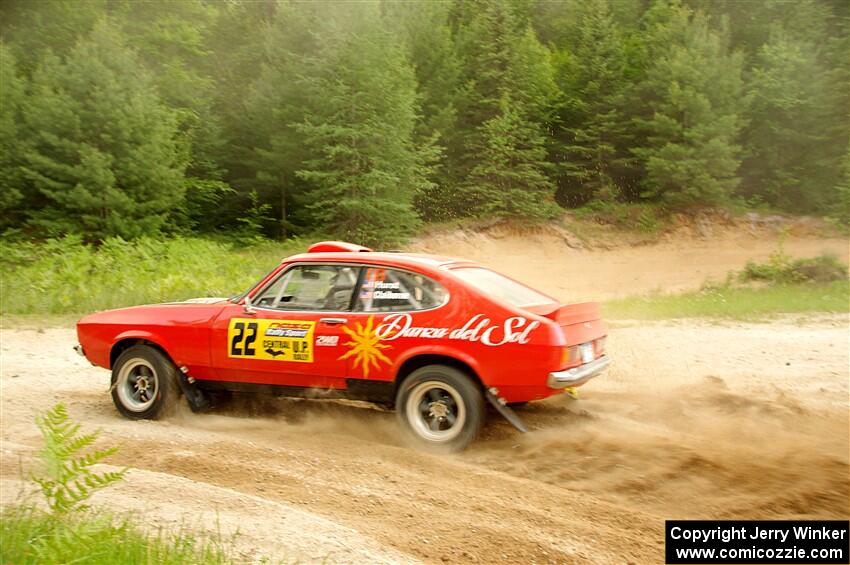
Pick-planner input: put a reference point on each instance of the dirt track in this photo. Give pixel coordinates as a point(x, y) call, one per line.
point(678, 262)
point(694, 420)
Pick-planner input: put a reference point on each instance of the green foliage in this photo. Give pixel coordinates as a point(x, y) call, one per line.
point(11, 149)
point(65, 477)
point(102, 155)
point(31, 536)
point(36, 28)
point(424, 29)
point(500, 164)
point(693, 97)
point(787, 140)
point(739, 303)
point(782, 269)
point(359, 124)
point(251, 223)
point(594, 121)
point(71, 532)
point(124, 118)
point(277, 103)
point(202, 208)
point(64, 276)
point(509, 180)
point(840, 211)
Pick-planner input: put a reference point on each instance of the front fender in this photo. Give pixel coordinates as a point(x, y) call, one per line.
point(157, 339)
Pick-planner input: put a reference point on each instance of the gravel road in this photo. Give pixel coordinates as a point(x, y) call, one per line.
point(694, 420)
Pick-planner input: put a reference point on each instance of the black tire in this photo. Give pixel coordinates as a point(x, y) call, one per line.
point(159, 391)
point(441, 408)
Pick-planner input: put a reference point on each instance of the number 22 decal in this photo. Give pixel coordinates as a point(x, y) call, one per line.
point(270, 340)
point(249, 339)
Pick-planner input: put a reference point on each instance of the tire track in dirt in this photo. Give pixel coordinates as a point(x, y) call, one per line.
point(695, 420)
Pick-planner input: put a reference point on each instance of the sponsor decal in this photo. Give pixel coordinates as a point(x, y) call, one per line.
point(389, 291)
point(384, 295)
point(365, 347)
point(327, 340)
point(516, 329)
point(288, 329)
point(272, 340)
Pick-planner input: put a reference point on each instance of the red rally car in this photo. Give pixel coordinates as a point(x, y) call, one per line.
point(435, 337)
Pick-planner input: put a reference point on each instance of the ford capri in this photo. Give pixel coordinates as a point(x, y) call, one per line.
point(435, 338)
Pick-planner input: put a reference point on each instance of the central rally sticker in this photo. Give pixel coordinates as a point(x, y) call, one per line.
point(273, 340)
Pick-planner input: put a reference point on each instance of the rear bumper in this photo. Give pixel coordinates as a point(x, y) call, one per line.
point(578, 375)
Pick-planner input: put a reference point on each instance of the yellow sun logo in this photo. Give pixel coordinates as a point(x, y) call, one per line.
point(365, 346)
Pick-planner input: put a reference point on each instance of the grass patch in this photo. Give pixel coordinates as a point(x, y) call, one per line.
point(64, 276)
point(740, 303)
point(69, 531)
point(31, 535)
point(781, 268)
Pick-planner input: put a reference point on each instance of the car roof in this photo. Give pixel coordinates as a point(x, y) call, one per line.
point(384, 258)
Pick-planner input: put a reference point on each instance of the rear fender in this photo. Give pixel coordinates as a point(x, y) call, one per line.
point(445, 351)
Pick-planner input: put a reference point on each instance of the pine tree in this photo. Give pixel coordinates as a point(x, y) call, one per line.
point(837, 147)
point(841, 206)
point(424, 29)
point(693, 97)
point(171, 41)
point(359, 127)
point(593, 122)
point(277, 103)
point(103, 157)
point(34, 28)
point(787, 137)
point(502, 63)
point(508, 179)
point(240, 41)
point(12, 93)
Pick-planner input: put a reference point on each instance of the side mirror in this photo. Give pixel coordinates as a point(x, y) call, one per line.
point(247, 307)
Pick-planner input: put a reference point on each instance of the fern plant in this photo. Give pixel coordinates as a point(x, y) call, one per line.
point(66, 478)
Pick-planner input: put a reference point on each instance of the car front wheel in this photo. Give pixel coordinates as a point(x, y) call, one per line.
point(441, 407)
point(144, 383)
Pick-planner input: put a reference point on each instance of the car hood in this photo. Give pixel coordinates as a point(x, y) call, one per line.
point(193, 311)
point(208, 300)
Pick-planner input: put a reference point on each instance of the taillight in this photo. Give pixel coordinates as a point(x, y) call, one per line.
point(570, 354)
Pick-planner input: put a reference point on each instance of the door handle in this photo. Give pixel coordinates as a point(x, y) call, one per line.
point(333, 321)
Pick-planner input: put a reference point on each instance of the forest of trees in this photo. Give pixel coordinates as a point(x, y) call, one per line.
point(366, 119)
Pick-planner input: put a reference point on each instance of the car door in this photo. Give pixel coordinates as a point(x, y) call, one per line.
point(291, 335)
point(390, 300)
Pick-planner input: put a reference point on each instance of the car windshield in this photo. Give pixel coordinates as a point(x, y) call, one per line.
point(237, 297)
point(501, 287)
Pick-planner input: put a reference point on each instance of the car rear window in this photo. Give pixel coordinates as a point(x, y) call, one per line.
point(501, 287)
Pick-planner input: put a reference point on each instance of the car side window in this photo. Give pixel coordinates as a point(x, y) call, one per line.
point(311, 287)
point(393, 290)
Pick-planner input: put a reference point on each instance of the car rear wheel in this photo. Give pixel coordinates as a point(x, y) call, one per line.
point(441, 407)
point(144, 383)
